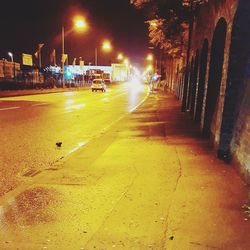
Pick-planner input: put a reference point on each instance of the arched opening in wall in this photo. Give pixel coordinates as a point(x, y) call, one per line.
point(236, 106)
point(177, 79)
point(215, 74)
point(190, 79)
point(194, 82)
point(202, 79)
point(163, 73)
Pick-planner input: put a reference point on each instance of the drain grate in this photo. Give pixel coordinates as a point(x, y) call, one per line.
point(31, 173)
point(51, 169)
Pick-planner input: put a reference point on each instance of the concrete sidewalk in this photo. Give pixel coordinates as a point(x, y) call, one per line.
point(148, 182)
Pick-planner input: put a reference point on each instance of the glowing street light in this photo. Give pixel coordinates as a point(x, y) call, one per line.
point(120, 56)
point(153, 23)
point(150, 57)
point(106, 45)
point(80, 23)
point(11, 56)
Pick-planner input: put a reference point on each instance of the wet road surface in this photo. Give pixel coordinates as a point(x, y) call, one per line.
point(32, 125)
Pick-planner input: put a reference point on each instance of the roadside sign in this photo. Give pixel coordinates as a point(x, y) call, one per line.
point(27, 59)
point(81, 64)
point(64, 58)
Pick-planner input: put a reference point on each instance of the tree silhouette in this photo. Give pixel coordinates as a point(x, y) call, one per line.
point(169, 22)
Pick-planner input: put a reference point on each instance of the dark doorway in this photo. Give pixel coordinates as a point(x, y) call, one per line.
point(190, 80)
point(215, 74)
point(238, 70)
point(202, 79)
point(194, 82)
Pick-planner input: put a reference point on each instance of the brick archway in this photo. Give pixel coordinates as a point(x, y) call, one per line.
point(236, 89)
point(215, 74)
point(202, 80)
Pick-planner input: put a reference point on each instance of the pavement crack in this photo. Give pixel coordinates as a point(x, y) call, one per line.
point(180, 170)
point(168, 232)
point(203, 246)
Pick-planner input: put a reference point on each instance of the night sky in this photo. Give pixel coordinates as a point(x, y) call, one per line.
point(26, 23)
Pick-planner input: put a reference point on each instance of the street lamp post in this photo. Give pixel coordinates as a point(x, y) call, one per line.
point(127, 64)
point(96, 56)
point(79, 25)
point(62, 59)
point(11, 56)
point(106, 46)
point(14, 69)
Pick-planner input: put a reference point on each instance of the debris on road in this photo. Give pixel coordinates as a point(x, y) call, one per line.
point(59, 144)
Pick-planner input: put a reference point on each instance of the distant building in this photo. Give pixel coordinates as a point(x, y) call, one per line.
point(9, 70)
point(115, 72)
point(120, 72)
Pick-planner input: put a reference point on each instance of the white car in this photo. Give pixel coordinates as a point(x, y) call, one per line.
point(98, 84)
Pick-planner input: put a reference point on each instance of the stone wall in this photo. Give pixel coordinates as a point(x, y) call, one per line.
point(214, 17)
point(204, 28)
point(241, 138)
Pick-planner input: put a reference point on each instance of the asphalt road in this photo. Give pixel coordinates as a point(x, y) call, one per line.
point(32, 127)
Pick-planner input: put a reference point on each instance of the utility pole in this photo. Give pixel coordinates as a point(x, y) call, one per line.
point(62, 57)
point(96, 57)
point(40, 59)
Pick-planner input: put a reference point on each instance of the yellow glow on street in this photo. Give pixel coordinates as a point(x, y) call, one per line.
point(105, 99)
point(79, 106)
point(135, 89)
point(135, 85)
point(68, 93)
point(79, 145)
point(69, 101)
